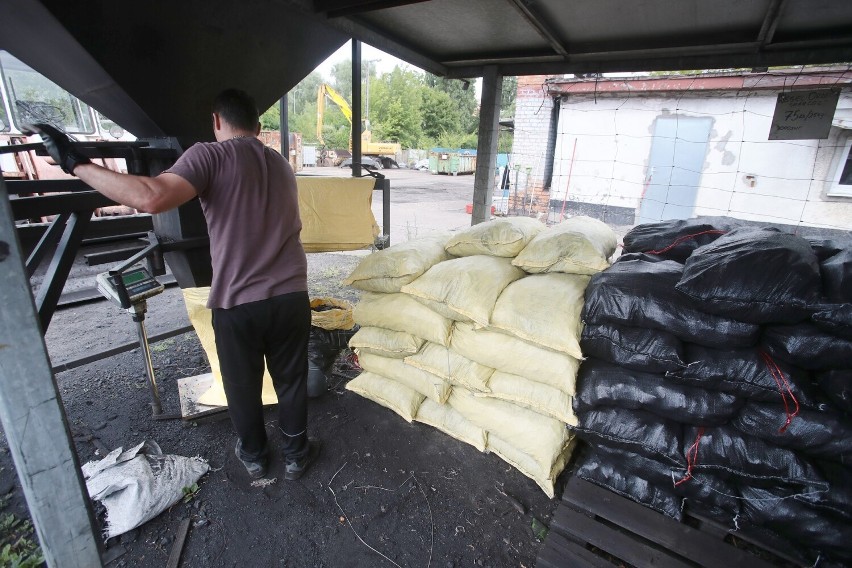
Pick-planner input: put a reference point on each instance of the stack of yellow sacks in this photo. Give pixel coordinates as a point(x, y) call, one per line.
point(477, 334)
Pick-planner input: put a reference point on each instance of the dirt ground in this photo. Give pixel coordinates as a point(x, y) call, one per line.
point(382, 493)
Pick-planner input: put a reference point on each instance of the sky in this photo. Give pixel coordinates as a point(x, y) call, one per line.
point(385, 63)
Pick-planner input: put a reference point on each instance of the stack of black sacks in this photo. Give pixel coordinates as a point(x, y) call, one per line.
point(719, 379)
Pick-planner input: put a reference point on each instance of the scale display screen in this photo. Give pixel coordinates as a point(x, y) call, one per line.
point(134, 277)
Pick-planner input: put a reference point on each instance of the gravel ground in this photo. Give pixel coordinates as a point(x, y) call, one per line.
point(383, 492)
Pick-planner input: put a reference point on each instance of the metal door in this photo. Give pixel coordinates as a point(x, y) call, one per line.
point(674, 168)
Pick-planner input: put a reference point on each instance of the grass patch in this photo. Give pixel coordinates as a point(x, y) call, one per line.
point(18, 547)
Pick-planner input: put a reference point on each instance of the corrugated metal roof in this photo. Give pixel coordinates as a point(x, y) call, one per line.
point(153, 65)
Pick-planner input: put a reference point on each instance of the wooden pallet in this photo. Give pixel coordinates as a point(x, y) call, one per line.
point(596, 527)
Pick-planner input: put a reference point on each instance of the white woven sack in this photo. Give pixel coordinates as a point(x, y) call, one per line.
point(401, 312)
point(500, 237)
point(385, 342)
point(543, 309)
point(539, 397)
point(464, 289)
point(451, 422)
point(452, 367)
point(517, 356)
point(541, 437)
point(390, 394)
point(579, 245)
point(389, 269)
point(528, 466)
point(421, 381)
point(138, 484)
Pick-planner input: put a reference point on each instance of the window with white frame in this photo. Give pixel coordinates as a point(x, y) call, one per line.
point(842, 183)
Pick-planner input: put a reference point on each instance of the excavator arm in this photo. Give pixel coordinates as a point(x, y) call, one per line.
point(338, 99)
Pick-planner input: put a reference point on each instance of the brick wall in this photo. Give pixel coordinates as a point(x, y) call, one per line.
point(532, 123)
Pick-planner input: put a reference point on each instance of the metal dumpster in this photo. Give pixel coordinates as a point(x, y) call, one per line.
point(452, 161)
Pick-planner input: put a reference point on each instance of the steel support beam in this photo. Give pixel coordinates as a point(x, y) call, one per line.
point(528, 11)
point(486, 149)
point(34, 420)
point(60, 266)
point(356, 108)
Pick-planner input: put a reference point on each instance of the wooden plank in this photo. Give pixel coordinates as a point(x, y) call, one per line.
point(560, 552)
point(177, 547)
point(34, 421)
point(678, 537)
point(623, 545)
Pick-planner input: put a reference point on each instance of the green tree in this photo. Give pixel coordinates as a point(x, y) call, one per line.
point(271, 118)
point(395, 103)
point(464, 98)
point(438, 115)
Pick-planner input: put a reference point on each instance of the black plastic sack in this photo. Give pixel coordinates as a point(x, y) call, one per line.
point(642, 294)
point(820, 532)
point(603, 384)
point(837, 386)
point(642, 256)
point(733, 455)
point(597, 469)
point(826, 248)
point(652, 351)
point(835, 319)
point(838, 498)
point(826, 435)
point(837, 277)
point(676, 239)
point(754, 275)
point(746, 373)
point(635, 431)
point(807, 346)
point(324, 346)
point(705, 494)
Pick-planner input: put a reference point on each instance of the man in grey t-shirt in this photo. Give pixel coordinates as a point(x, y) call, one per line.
point(258, 297)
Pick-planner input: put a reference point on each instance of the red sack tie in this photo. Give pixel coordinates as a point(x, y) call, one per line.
point(783, 384)
point(685, 237)
point(691, 457)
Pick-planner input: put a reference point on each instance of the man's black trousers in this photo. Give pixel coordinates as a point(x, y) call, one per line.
point(276, 330)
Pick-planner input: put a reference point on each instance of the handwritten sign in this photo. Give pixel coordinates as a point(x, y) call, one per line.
point(803, 115)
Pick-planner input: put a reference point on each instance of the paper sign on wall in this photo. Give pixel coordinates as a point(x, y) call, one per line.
point(803, 115)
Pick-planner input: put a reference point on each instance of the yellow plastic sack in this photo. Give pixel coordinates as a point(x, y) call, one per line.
point(579, 245)
point(336, 213)
point(390, 269)
point(385, 342)
point(450, 422)
point(500, 237)
point(201, 319)
point(517, 356)
point(425, 383)
point(528, 466)
point(451, 367)
point(539, 397)
point(541, 437)
point(401, 312)
point(464, 289)
point(390, 394)
point(543, 309)
point(331, 314)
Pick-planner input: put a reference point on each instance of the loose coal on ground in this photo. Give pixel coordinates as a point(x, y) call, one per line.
point(382, 493)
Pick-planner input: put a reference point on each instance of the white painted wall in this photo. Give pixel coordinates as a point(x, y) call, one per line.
point(613, 136)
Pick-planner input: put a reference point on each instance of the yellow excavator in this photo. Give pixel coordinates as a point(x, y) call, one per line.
point(385, 152)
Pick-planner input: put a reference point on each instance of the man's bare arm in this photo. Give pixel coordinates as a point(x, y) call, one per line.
point(147, 194)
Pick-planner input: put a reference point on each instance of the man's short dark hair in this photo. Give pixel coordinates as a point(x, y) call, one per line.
point(237, 108)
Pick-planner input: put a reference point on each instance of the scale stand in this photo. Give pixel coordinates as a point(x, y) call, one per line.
point(130, 285)
point(137, 311)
